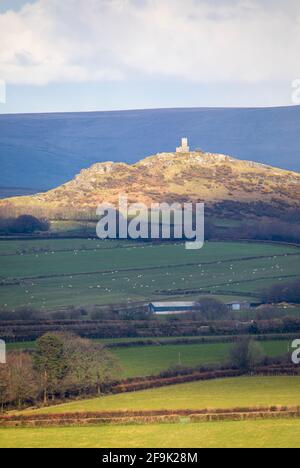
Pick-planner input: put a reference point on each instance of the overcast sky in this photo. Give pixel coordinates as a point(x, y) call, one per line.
point(72, 55)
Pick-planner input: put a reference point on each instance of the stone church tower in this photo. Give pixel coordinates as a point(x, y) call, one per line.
point(184, 148)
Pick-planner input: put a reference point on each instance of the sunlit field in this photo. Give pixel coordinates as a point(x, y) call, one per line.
point(252, 434)
point(223, 393)
point(226, 393)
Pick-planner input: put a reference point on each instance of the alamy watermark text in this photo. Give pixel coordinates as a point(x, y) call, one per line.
point(2, 352)
point(160, 221)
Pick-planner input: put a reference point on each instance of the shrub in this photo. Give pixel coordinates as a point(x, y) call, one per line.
point(287, 292)
point(246, 354)
point(24, 224)
point(208, 308)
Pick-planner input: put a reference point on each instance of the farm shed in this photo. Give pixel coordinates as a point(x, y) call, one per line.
point(168, 308)
point(237, 305)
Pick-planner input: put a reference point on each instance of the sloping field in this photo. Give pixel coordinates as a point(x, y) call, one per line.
point(226, 393)
point(48, 274)
point(223, 393)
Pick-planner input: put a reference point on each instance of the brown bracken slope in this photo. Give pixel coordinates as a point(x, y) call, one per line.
point(168, 177)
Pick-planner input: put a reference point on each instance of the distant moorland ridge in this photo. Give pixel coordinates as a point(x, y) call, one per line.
point(42, 151)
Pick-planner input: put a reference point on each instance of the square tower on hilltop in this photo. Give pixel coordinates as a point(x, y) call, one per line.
point(184, 148)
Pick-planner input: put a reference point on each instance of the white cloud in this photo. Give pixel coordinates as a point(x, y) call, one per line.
point(200, 40)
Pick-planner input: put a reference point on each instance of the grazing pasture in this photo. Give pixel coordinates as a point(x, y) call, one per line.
point(239, 434)
point(222, 393)
point(47, 274)
point(151, 360)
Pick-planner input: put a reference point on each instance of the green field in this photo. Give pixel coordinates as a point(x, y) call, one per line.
point(223, 393)
point(151, 360)
point(252, 434)
point(47, 274)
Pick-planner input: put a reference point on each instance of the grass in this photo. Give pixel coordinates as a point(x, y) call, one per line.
point(73, 228)
point(47, 274)
point(252, 434)
point(151, 360)
point(21, 345)
point(223, 393)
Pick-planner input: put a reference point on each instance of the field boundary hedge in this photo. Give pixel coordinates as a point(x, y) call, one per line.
point(179, 376)
point(113, 329)
point(190, 375)
point(149, 417)
point(199, 340)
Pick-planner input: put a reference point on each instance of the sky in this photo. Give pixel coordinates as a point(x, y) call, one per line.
point(93, 55)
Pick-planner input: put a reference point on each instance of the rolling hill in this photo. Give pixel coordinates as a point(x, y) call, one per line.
point(42, 151)
point(167, 177)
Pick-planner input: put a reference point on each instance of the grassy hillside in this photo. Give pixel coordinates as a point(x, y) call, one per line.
point(48, 274)
point(167, 177)
point(223, 393)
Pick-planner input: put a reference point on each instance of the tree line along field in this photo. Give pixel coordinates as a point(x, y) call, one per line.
point(235, 392)
point(226, 393)
point(144, 361)
point(47, 274)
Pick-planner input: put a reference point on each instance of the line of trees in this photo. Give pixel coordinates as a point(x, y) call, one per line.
point(31, 331)
point(62, 365)
point(273, 227)
point(283, 292)
point(268, 230)
point(24, 224)
point(208, 308)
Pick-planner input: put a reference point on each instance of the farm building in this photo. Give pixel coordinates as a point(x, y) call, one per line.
point(168, 308)
point(237, 305)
